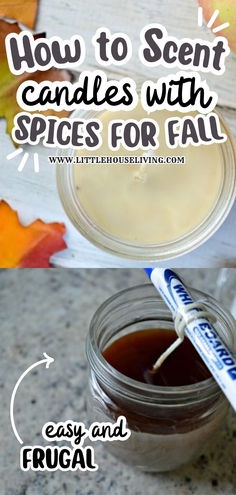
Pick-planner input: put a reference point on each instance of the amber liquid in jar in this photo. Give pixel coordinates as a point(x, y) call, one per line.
point(134, 355)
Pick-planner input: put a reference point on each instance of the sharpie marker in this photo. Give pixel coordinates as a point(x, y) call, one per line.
point(200, 331)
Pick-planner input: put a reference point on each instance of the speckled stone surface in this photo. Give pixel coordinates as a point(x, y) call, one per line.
point(49, 311)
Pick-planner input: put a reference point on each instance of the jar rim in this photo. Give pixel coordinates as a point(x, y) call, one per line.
point(105, 371)
point(150, 252)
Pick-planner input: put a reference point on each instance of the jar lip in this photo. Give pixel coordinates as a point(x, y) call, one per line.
point(93, 352)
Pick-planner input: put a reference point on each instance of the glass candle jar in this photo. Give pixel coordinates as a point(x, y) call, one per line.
point(176, 234)
point(169, 425)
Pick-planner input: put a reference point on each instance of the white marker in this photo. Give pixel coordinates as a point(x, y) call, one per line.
point(47, 360)
point(199, 330)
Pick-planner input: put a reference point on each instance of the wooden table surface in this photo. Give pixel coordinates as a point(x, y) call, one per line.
point(35, 195)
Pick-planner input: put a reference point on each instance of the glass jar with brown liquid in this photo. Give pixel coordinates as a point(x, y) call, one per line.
point(173, 413)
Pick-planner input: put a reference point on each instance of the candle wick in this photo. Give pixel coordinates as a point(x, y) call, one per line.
point(182, 318)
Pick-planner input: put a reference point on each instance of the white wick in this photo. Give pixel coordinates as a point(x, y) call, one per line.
point(166, 353)
point(140, 175)
point(182, 319)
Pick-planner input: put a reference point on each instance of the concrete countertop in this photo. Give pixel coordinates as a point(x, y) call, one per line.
point(49, 311)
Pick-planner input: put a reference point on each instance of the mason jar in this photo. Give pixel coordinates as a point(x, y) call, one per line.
point(169, 425)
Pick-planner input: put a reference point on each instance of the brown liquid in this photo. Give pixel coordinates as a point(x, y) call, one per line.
point(135, 354)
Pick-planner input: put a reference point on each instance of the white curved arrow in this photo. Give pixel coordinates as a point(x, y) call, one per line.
point(48, 360)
